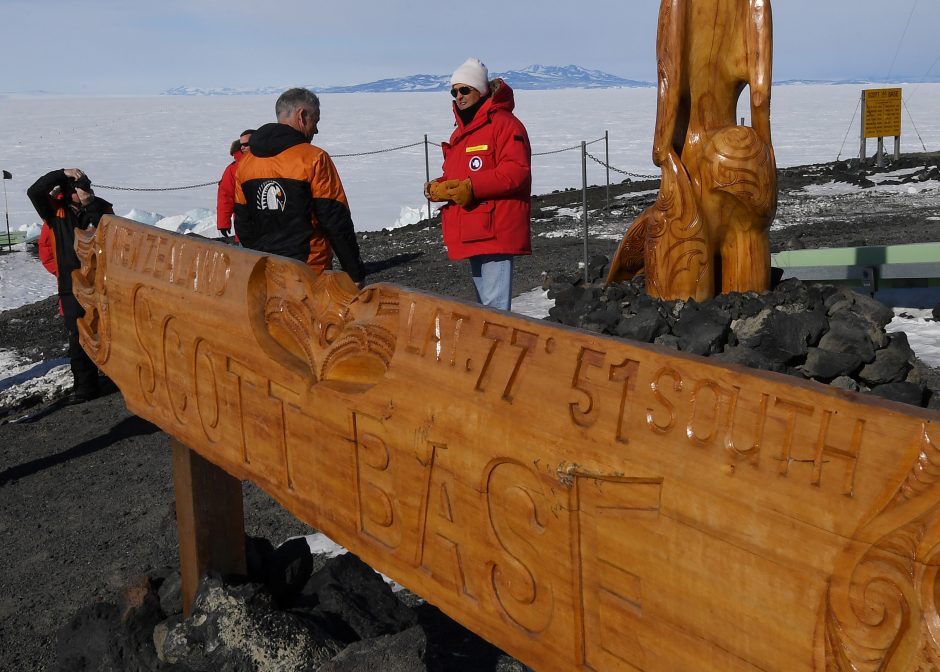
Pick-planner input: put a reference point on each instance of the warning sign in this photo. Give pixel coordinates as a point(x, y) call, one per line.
point(882, 112)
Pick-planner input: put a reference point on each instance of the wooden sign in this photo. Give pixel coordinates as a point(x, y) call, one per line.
point(882, 113)
point(583, 502)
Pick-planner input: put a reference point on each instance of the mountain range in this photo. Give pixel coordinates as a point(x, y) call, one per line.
point(534, 77)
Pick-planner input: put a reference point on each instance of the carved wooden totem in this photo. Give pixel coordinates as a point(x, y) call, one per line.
point(708, 230)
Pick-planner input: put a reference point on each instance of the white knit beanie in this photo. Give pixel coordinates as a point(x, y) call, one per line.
point(473, 73)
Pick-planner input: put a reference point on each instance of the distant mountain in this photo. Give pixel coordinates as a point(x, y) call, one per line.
point(534, 77)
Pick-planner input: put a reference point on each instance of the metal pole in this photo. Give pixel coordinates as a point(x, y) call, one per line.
point(897, 147)
point(861, 150)
point(427, 171)
point(584, 210)
point(880, 156)
point(607, 164)
point(6, 209)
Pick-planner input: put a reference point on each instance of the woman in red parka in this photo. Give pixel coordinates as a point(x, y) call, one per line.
point(487, 183)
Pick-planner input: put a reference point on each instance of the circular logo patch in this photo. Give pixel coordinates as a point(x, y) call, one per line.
point(271, 196)
point(476, 163)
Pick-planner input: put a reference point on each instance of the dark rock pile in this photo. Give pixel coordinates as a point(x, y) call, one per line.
point(824, 333)
point(283, 617)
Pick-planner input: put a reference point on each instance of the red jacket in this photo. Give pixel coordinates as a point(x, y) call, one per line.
point(493, 151)
point(47, 249)
point(225, 201)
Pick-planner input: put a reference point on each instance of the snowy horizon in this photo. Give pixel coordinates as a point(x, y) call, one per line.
point(166, 142)
point(174, 141)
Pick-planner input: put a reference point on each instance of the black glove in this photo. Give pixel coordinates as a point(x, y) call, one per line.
point(226, 232)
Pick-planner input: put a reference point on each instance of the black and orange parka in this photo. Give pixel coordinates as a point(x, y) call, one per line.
point(289, 200)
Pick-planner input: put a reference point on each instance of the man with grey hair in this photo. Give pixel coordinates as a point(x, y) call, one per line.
point(289, 199)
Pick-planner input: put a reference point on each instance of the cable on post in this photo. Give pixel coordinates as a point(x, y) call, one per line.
point(839, 155)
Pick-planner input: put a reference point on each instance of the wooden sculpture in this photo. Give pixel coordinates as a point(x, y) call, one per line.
point(583, 502)
point(708, 230)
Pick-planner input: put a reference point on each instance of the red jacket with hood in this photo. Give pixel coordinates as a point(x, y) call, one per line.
point(225, 201)
point(493, 151)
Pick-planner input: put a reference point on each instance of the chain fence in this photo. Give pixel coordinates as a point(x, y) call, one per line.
point(618, 170)
point(188, 186)
point(585, 155)
point(388, 150)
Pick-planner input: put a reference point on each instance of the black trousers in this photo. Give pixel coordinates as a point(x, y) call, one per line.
point(84, 371)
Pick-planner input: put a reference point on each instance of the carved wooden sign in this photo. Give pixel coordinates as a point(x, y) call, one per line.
point(582, 502)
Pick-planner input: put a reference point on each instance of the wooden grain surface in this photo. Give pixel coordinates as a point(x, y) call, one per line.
point(708, 231)
point(582, 502)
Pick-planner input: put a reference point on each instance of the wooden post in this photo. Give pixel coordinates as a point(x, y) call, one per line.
point(897, 147)
point(880, 154)
point(210, 519)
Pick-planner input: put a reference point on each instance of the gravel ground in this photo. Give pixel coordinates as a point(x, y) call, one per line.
point(86, 497)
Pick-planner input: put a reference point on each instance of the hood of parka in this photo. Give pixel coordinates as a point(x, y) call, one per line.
point(272, 139)
point(500, 98)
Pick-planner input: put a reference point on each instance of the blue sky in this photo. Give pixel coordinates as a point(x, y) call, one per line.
point(146, 46)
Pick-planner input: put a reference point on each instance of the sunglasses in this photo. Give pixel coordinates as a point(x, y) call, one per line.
point(244, 145)
point(462, 90)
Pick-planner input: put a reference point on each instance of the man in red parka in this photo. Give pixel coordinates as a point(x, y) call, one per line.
point(225, 201)
point(487, 183)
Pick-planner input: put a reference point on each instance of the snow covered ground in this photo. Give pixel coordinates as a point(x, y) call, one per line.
point(171, 141)
point(159, 142)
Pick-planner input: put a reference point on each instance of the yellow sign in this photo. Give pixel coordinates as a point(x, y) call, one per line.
point(882, 112)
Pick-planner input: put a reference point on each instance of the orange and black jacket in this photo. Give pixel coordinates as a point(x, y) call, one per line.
point(62, 220)
point(290, 201)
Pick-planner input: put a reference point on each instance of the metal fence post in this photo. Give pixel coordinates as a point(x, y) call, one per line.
point(861, 149)
point(6, 207)
point(584, 214)
point(607, 164)
point(427, 171)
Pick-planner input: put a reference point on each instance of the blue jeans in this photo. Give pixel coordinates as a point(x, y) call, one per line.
point(492, 279)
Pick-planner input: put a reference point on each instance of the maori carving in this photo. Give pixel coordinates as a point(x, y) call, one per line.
point(91, 292)
point(322, 322)
point(881, 611)
point(707, 231)
point(583, 502)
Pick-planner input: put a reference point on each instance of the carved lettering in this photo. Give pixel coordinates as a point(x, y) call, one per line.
point(207, 370)
point(586, 415)
point(699, 409)
point(375, 483)
point(626, 373)
point(668, 406)
point(524, 340)
point(611, 509)
point(441, 325)
point(793, 408)
point(495, 333)
point(291, 417)
point(752, 453)
point(144, 330)
point(126, 247)
point(442, 529)
point(174, 357)
point(847, 455)
point(518, 515)
point(261, 421)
